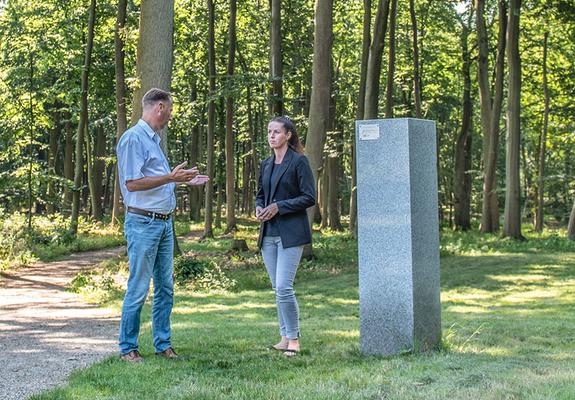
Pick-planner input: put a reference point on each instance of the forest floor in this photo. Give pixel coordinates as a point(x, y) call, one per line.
point(46, 332)
point(508, 318)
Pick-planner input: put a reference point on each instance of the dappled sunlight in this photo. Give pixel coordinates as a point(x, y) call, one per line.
point(562, 356)
point(470, 296)
point(354, 318)
point(215, 307)
point(530, 296)
point(464, 309)
point(343, 334)
point(251, 316)
point(495, 351)
point(189, 324)
point(345, 301)
point(520, 279)
point(254, 294)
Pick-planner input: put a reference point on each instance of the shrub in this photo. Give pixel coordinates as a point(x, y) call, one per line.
point(80, 282)
point(200, 274)
point(187, 267)
point(213, 280)
point(95, 287)
point(14, 243)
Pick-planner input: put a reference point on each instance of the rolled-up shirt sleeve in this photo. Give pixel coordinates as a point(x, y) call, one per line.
point(131, 159)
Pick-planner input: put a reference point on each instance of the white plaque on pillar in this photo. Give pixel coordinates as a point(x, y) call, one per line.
point(369, 132)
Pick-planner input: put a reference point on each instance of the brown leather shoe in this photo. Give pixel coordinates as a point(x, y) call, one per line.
point(133, 356)
point(168, 353)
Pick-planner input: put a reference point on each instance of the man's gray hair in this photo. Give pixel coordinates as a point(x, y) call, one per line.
point(154, 96)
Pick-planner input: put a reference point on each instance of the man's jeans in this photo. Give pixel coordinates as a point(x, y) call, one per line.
point(150, 253)
point(282, 265)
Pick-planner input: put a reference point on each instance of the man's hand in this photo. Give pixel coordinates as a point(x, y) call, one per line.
point(265, 214)
point(181, 175)
point(198, 180)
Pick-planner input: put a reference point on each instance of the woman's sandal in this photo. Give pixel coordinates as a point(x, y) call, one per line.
point(290, 352)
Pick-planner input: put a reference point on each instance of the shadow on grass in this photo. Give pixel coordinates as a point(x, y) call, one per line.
point(508, 333)
point(497, 272)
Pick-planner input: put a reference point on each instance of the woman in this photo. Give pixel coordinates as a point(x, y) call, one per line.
point(285, 190)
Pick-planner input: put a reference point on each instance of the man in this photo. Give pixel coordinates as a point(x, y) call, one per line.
point(147, 186)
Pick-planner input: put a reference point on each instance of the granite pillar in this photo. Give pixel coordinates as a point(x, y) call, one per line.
point(398, 236)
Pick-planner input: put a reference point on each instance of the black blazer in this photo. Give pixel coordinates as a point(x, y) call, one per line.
point(293, 192)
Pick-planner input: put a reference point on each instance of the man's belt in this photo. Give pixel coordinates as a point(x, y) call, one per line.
point(150, 214)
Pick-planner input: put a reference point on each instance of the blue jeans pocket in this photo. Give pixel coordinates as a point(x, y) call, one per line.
point(140, 219)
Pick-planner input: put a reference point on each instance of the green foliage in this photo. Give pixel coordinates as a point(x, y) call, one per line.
point(474, 243)
point(14, 243)
point(49, 238)
point(213, 279)
point(201, 275)
point(80, 281)
point(187, 268)
point(102, 284)
point(41, 59)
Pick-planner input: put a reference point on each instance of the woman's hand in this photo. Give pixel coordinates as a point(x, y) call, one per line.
point(265, 214)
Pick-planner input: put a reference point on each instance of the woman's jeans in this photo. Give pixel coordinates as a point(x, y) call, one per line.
point(150, 253)
point(282, 265)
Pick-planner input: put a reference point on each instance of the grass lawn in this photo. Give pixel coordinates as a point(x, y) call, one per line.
point(508, 320)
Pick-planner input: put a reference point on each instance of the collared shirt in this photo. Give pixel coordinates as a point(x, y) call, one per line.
point(140, 155)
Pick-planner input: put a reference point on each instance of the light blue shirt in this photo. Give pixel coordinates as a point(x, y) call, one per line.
point(140, 155)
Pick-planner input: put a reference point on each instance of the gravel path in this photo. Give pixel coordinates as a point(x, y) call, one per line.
point(46, 332)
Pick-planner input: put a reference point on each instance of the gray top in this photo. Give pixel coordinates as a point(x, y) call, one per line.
point(271, 227)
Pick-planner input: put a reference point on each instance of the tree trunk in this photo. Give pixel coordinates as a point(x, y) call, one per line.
point(253, 148)
point(539, 217)
point(321, 85)
point(323, 195)
point(98, 166)
point(360, 112)
point(208, 218)
point(490, 111)
point(416, 76)
point(276, 73)
point(154, 55)
point(230, 173)
point(571, 226)
point(391, 64)
point(68, 163)
point(512, 217)
point(320, 95)
point(195, 192)
point(246, 181)
point(333, 200)
point(462, 190)
point(219, 201)
point(83, 124)
point(374, 60)
point(52, 159)
point(32, 129)
point(108, 190)
point(94, 204)
point(121, 118)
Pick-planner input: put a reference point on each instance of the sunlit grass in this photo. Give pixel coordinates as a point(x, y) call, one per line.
point(508, 319)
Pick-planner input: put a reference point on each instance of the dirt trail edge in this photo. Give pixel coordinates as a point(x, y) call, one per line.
point(46, 332)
